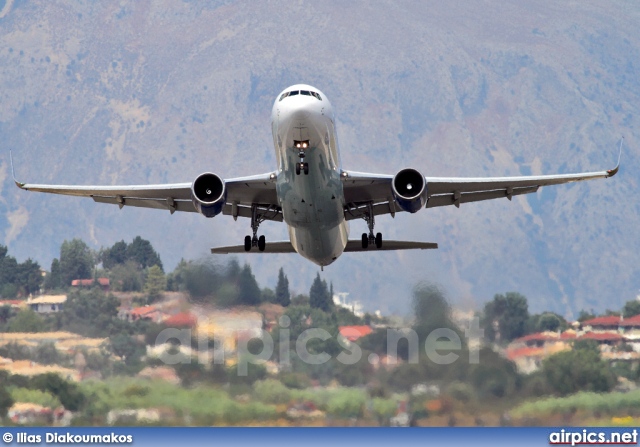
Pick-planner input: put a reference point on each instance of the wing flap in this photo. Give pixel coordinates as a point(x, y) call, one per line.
point(166, 204)
point(271, 247)
point(450, 199)
point(356, 246)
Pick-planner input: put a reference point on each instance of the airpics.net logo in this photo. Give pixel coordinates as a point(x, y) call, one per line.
point(591, 437)
point(435, 344)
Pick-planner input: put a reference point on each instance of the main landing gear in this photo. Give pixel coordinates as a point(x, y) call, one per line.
point(302, 166)
point(255, 241)
point(370, 239)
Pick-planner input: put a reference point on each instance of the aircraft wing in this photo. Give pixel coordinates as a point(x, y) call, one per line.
point(257, 190)
point(362, 189)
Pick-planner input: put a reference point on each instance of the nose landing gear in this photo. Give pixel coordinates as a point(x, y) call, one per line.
point(301, 166)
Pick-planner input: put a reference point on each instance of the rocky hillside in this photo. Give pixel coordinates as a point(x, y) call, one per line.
point(159, 91)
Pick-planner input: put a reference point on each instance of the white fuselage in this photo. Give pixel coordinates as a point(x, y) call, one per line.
point(312, 204)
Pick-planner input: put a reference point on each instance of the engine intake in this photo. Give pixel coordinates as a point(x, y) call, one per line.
point(208, 194)
point(410, 190)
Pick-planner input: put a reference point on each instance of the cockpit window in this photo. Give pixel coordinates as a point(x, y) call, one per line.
point(300, 92)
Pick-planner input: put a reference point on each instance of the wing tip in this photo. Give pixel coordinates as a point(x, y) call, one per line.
point(13, 172)
point(614, 171)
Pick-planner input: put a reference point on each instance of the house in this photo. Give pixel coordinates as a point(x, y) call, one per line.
point(181, 320)
point(102, 282)
point(602, 324)
point(353, 333)
point(142, 313)
point(47, 303)
point(14, 304)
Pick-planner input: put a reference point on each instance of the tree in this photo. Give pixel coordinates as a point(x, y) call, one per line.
point(6, 312)
point(547, 321)
point(505, 317)
point(26, 321)
point(76, 261)
point(141, 251)
point(283, 296)
point(6, 401)
point(54, 280)
point(319, 295)
point(267, 295)
point(69, 393)
point(581, 369)
point(248, 290)
point(156, 283)
point(584, 315)
point(47, 354)
point(28, 277)
point(115, 255)
point(126, 277)
point(91, 313)
point(8, 267)
point(123, 346)
point(631, 308)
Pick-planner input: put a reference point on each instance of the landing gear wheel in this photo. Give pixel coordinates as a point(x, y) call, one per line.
point(365, 241)
point(298, 168)
point(247, 243)
point(306, 168)
point(262, 243)
point(379, 240)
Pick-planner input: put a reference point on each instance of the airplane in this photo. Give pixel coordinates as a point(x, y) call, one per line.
point(310, 191)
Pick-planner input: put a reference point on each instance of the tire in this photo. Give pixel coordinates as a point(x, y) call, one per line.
point(247, 243)
point(306, 168)
point(262, 243)
point(297, 168)
point(365, 241)
point(379, 240)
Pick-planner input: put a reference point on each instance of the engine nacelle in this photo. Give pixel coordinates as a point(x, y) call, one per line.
point(410, 190)
point(208, 194)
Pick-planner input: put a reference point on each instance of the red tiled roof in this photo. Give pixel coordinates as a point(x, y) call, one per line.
point(11, 302)
point(183, 319)
point(568, 336)
point(513, 354)
point(608, 320)
point(141, 311)
point(352, 333)
point(631, 321)
point(539, 336)
point(602, 336)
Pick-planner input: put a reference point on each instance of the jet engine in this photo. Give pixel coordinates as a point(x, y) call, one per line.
point(208, 194)
point(410, 190)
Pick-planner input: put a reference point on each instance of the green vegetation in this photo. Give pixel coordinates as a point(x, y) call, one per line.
point(580, 369)
point(18, 279)
point(320, 297)
point(595, 404)
point(505, 317)
point(347, 384)
point(282, 295)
